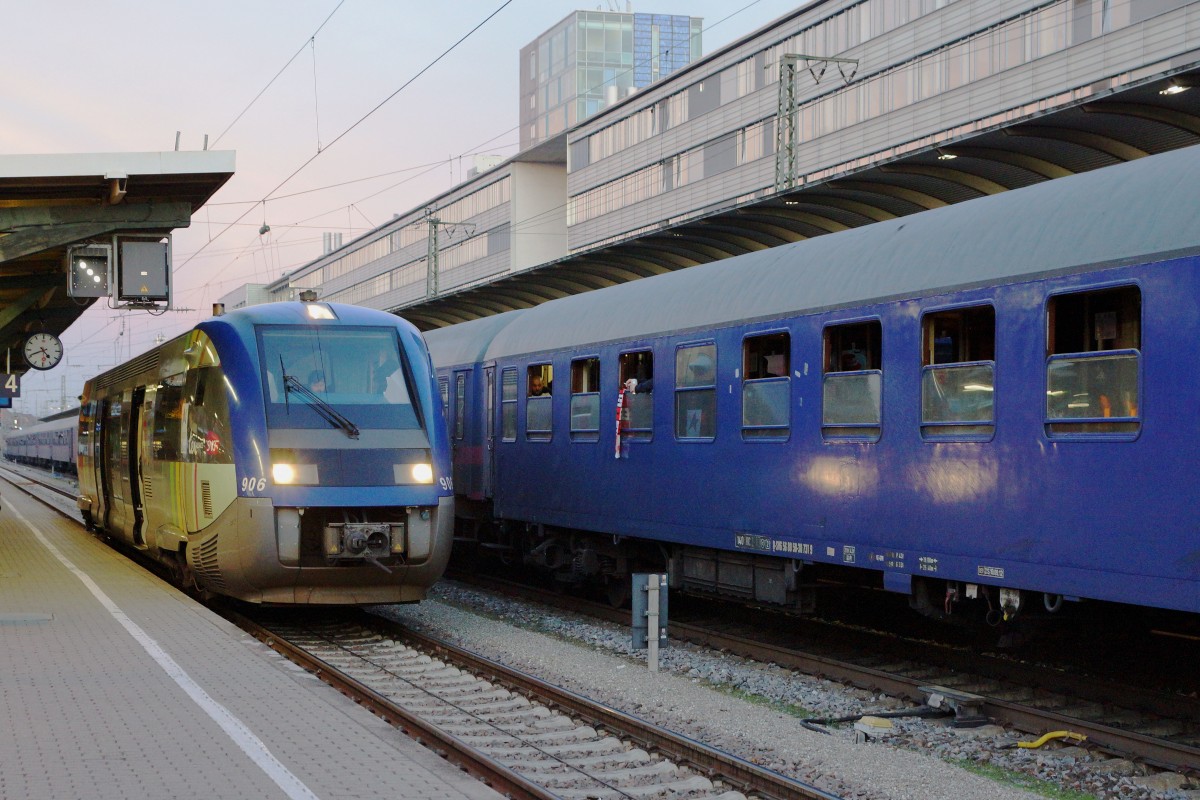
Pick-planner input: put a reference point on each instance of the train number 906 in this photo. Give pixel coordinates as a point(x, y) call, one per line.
point(250, 485)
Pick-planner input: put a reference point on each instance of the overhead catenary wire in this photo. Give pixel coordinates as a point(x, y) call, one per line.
point(545, 214)
point(282, 70)
point(362, 119)
point(517, 227)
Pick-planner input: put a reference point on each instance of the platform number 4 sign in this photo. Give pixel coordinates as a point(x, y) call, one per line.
point(10, 385)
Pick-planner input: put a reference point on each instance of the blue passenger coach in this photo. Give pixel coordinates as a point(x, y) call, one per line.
point(993, 402)
point(287, 453)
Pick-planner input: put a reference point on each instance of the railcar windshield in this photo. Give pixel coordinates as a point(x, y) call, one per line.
point(359, 371)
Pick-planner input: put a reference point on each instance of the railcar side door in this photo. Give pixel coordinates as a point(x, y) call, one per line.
point(134, 461)
point(489, 435)
point(113, 514)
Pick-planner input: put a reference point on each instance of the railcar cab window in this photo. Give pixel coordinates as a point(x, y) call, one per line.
point(539, 402)
point(585, 400)
point(508, 404)
point(696, 392)
point(851, 405)
point(359, 371)
point(766, 385)
point(958, 351)
point(1093, 354)
point(638, 405)
point(444, 391)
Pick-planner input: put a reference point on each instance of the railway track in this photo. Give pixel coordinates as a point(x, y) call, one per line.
point(1160, 729)
point(522, 736)
point(561, 743)
point(1156, 728)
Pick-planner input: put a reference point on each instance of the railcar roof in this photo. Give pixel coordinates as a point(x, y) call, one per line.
point(1117, 214)
point(466, 342)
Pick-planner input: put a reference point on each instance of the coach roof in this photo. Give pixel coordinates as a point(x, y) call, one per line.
point(466, 342)
point(1117, 214)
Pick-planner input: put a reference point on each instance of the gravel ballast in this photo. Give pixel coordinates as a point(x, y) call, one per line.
point(755, 710)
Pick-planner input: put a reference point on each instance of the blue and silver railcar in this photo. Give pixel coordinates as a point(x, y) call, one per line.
point(989, 401)
point(285, 453)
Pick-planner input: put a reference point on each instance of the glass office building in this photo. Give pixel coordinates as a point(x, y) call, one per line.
point(592, 59)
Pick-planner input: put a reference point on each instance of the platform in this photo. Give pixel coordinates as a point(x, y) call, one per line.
point(114, 684)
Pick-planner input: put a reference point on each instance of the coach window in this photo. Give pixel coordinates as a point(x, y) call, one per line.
point(508, 404)
point(539, 401)
point(585, 400)
point(958, 351)
point(766, 386)
point(852, 383)
point(1093, 352)
point(460, 403)
point(640, 403)
point(696, 392)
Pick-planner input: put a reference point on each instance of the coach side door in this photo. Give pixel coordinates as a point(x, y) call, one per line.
point(461, 443)
point(489, 433)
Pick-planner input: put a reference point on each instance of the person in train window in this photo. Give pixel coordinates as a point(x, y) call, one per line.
point(853, 359)
point(634, 386)
point(539, 387)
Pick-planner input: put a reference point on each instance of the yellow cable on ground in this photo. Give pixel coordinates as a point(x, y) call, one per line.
point(1078, 737)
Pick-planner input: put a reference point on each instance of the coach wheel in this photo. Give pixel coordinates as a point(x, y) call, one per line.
point(618, 592)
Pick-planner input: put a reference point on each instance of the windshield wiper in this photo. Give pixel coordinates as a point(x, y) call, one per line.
point(330, 414)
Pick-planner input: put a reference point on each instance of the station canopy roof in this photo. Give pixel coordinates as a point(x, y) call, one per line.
point(50, 202)
point(1106, 129)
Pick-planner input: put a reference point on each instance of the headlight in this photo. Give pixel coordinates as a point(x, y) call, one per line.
point(287, 474)
point(422, 473)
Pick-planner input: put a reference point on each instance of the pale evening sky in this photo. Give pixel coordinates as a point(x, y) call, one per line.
point(125, 75)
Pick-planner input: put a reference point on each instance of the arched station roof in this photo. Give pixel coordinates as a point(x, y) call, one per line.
point(1121, 126)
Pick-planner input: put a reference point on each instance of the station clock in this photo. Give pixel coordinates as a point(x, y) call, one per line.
point(42, 350)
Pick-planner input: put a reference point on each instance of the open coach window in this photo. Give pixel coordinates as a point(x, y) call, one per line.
point(638, 365)
point(852, 384)
point(585, 400)
point(539, 402)
point(1093, 351)
point(359, 370)
point(957, 376)
point(766, 386)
